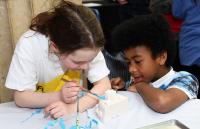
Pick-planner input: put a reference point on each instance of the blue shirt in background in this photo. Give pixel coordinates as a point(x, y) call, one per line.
point(189, 46)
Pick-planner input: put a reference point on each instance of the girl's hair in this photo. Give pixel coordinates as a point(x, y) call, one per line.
point(70, 27)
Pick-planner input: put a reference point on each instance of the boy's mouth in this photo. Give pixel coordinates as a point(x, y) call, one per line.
point(137, 79)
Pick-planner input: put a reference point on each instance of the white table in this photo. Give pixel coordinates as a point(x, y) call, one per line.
point(140, 115)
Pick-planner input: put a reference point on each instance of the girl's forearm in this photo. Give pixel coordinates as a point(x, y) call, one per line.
point(101, 86)
point(87, 102)
point(90, 100)
point(31, 99)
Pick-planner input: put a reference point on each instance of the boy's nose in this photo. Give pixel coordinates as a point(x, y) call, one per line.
point(132, 68)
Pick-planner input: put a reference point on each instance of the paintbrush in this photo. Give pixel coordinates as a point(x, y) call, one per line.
point(102, 97)
point(88, 91)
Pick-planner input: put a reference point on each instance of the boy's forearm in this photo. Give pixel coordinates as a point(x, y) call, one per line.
point(147, 91)
point(150, 95)
point(31, 99)
point(160, 100)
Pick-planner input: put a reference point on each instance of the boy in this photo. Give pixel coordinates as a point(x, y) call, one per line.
point(149, 49)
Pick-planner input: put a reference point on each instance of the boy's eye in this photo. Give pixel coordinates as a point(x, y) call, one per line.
point(128, 62)
point(138, 61)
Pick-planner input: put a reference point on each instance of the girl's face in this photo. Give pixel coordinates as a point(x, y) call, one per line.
point(79, 59)
point(142, 66)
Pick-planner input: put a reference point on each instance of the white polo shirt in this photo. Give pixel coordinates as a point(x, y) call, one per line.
point(32, 64)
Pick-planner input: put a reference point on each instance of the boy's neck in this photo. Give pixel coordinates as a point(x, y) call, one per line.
point(162, 72)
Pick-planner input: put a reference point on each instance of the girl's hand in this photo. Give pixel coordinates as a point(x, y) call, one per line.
point(70, 91)
point(117, 83)
point(59, 109)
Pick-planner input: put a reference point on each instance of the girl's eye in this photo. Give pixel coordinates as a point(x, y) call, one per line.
point(79, 63)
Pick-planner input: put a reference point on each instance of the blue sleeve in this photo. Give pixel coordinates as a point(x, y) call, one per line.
point(177, 9)
point(186, 82)
point(180, 8)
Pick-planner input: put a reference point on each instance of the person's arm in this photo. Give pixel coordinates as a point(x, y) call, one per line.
point(59, 108)
point(99, 88)
point(33, 99)
point(160, 100)
point(98, 75)
point(100, 81)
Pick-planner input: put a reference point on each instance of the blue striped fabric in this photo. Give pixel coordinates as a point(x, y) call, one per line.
point(117, 66)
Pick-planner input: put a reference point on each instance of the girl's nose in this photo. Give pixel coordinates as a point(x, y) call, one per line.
point(84, 66)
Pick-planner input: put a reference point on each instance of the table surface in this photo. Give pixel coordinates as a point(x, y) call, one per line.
point(139, 115)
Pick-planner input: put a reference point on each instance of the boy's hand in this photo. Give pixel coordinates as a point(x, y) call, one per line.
point(69, 92)
point(59, 109)
point(117, 83)
point(122, 2)
point(132, 88)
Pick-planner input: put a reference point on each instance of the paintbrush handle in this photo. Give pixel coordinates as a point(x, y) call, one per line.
point(88, 91)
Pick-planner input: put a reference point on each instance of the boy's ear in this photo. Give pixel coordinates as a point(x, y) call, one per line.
point(162, 58)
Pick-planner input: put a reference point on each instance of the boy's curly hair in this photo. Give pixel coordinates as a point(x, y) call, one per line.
point(151, 31)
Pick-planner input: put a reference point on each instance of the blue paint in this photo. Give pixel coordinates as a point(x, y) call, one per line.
point(37, 111)
point(59, 121)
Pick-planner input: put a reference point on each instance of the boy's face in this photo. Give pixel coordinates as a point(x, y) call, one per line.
point(142, 66)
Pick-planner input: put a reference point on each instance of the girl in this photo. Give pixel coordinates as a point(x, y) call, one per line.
point(68, 37)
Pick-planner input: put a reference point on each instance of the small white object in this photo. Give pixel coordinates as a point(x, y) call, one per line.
point(113, 106)
point(92, 4)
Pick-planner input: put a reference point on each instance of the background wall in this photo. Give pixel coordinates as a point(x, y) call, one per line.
point(15, 17)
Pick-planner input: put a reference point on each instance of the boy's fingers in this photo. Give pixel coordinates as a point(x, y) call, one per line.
point(115, 81)
point(132, 89)
point(116, 88)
